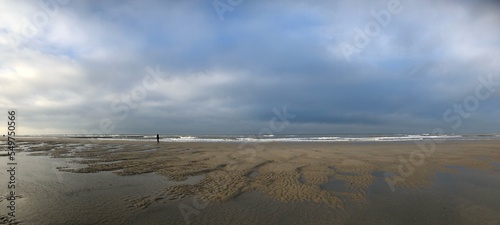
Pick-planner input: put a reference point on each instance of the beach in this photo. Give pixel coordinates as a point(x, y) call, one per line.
point(88, 181)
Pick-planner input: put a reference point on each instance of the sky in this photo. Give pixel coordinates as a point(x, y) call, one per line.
point(240, 66)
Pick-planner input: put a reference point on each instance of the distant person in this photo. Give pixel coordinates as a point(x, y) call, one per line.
point(157, 138)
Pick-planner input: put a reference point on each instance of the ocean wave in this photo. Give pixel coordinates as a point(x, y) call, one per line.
point(276, 138)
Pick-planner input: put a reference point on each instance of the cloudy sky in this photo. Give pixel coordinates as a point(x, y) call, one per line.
point(203, 67)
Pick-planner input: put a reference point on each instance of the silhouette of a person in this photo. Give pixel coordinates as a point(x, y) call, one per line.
point(157, 138)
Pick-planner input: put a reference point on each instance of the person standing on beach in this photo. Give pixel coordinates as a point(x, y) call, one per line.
point(157, 138)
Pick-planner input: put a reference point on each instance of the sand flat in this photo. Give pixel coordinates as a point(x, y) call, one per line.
point(348, 183)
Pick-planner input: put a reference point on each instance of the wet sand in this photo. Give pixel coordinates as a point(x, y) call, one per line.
point(78, 181)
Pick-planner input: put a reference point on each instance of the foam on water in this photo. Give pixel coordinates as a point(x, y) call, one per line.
point(281, 138)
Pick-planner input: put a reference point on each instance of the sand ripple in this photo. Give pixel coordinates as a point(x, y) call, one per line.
point(282, 172)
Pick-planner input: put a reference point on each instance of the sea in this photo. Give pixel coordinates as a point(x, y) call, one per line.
point(277, 138)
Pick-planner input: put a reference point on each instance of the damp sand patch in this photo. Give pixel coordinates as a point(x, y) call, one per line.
point(466, 196)
point(50, 196)
point(149, 150)
point(496, 165)
point(253, 174)
point(289, 174)
point(336, 185)
point(249, 208)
